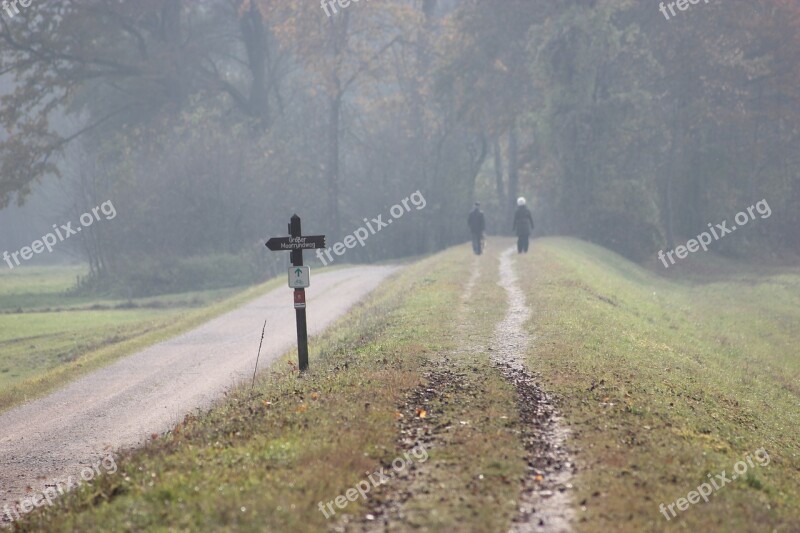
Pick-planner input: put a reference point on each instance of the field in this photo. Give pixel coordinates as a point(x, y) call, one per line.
point(49, 335)
point(661, 382)
point(665, 382)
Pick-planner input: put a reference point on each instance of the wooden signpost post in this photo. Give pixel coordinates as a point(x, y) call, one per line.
point(299, 277)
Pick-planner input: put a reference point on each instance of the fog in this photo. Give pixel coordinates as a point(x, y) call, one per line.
point(207, 124)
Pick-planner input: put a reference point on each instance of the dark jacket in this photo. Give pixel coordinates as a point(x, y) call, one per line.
point(523, 221)
point(476, 221)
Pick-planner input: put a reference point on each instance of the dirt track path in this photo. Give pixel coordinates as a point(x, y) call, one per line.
point(544, 501)
point(121, 405)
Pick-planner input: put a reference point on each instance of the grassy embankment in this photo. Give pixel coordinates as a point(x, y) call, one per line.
point(661, 382)
point(48, 337)
point(667, 381)
point(262, 460)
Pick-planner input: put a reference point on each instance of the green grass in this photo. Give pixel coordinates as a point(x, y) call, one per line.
point(49, 337)
point(666, 381)
point(35, 343)
point(50, 289)
point(263, 460)
point(472, 478)
point(35, 287)
point(660, 381)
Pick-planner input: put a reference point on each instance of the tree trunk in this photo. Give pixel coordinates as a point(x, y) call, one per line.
point(476, 160)
point(498, 173)
point(669, 218)
point(513, 168)
point(332, 168)
point(255, 42)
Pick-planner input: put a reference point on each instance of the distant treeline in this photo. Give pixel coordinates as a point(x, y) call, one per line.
point(209, 123)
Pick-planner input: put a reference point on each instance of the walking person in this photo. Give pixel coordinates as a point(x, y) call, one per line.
point(523, 225)
point(477, 225)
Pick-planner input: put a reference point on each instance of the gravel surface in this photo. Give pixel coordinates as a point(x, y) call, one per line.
point(122, 405)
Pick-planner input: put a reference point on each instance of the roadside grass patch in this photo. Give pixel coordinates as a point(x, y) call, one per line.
point(666, 381)
point(475, 473)
point(264, 459)
point(43, 348)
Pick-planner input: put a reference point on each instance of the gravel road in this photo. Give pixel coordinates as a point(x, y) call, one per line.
point(121, 405)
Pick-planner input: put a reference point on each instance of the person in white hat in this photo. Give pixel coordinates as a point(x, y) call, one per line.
point(523, 225)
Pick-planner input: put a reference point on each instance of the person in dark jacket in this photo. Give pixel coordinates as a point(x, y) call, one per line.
point(523, 225)
point(477, 225)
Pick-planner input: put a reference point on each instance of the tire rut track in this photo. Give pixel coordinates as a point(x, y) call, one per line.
point(441, 384)
point(545, 503)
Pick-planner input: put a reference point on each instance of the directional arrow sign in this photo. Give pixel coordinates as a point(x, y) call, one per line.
point(299, 277)
point(307, 242)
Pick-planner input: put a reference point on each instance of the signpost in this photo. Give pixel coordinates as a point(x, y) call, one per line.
point(299, 277)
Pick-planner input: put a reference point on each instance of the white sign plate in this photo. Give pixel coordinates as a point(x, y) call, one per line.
point(299, 277)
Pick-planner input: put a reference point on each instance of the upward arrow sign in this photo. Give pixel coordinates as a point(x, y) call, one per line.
point(299, 277)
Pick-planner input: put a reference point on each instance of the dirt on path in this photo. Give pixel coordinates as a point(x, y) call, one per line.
point(544, 502)
point(50, 439)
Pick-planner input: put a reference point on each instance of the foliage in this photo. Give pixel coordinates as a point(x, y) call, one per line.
point(215, 121)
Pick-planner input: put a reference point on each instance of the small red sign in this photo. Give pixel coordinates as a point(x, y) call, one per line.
point(299, 298)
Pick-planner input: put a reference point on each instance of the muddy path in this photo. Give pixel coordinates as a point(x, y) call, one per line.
point(544, 498)
point(442, 386)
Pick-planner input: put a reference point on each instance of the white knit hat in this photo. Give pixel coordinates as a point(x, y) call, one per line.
point(520, 201)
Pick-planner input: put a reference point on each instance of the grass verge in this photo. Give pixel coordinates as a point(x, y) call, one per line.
point(264, 459)
point(45, 350)
point(472, 479)
point(665, 382)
